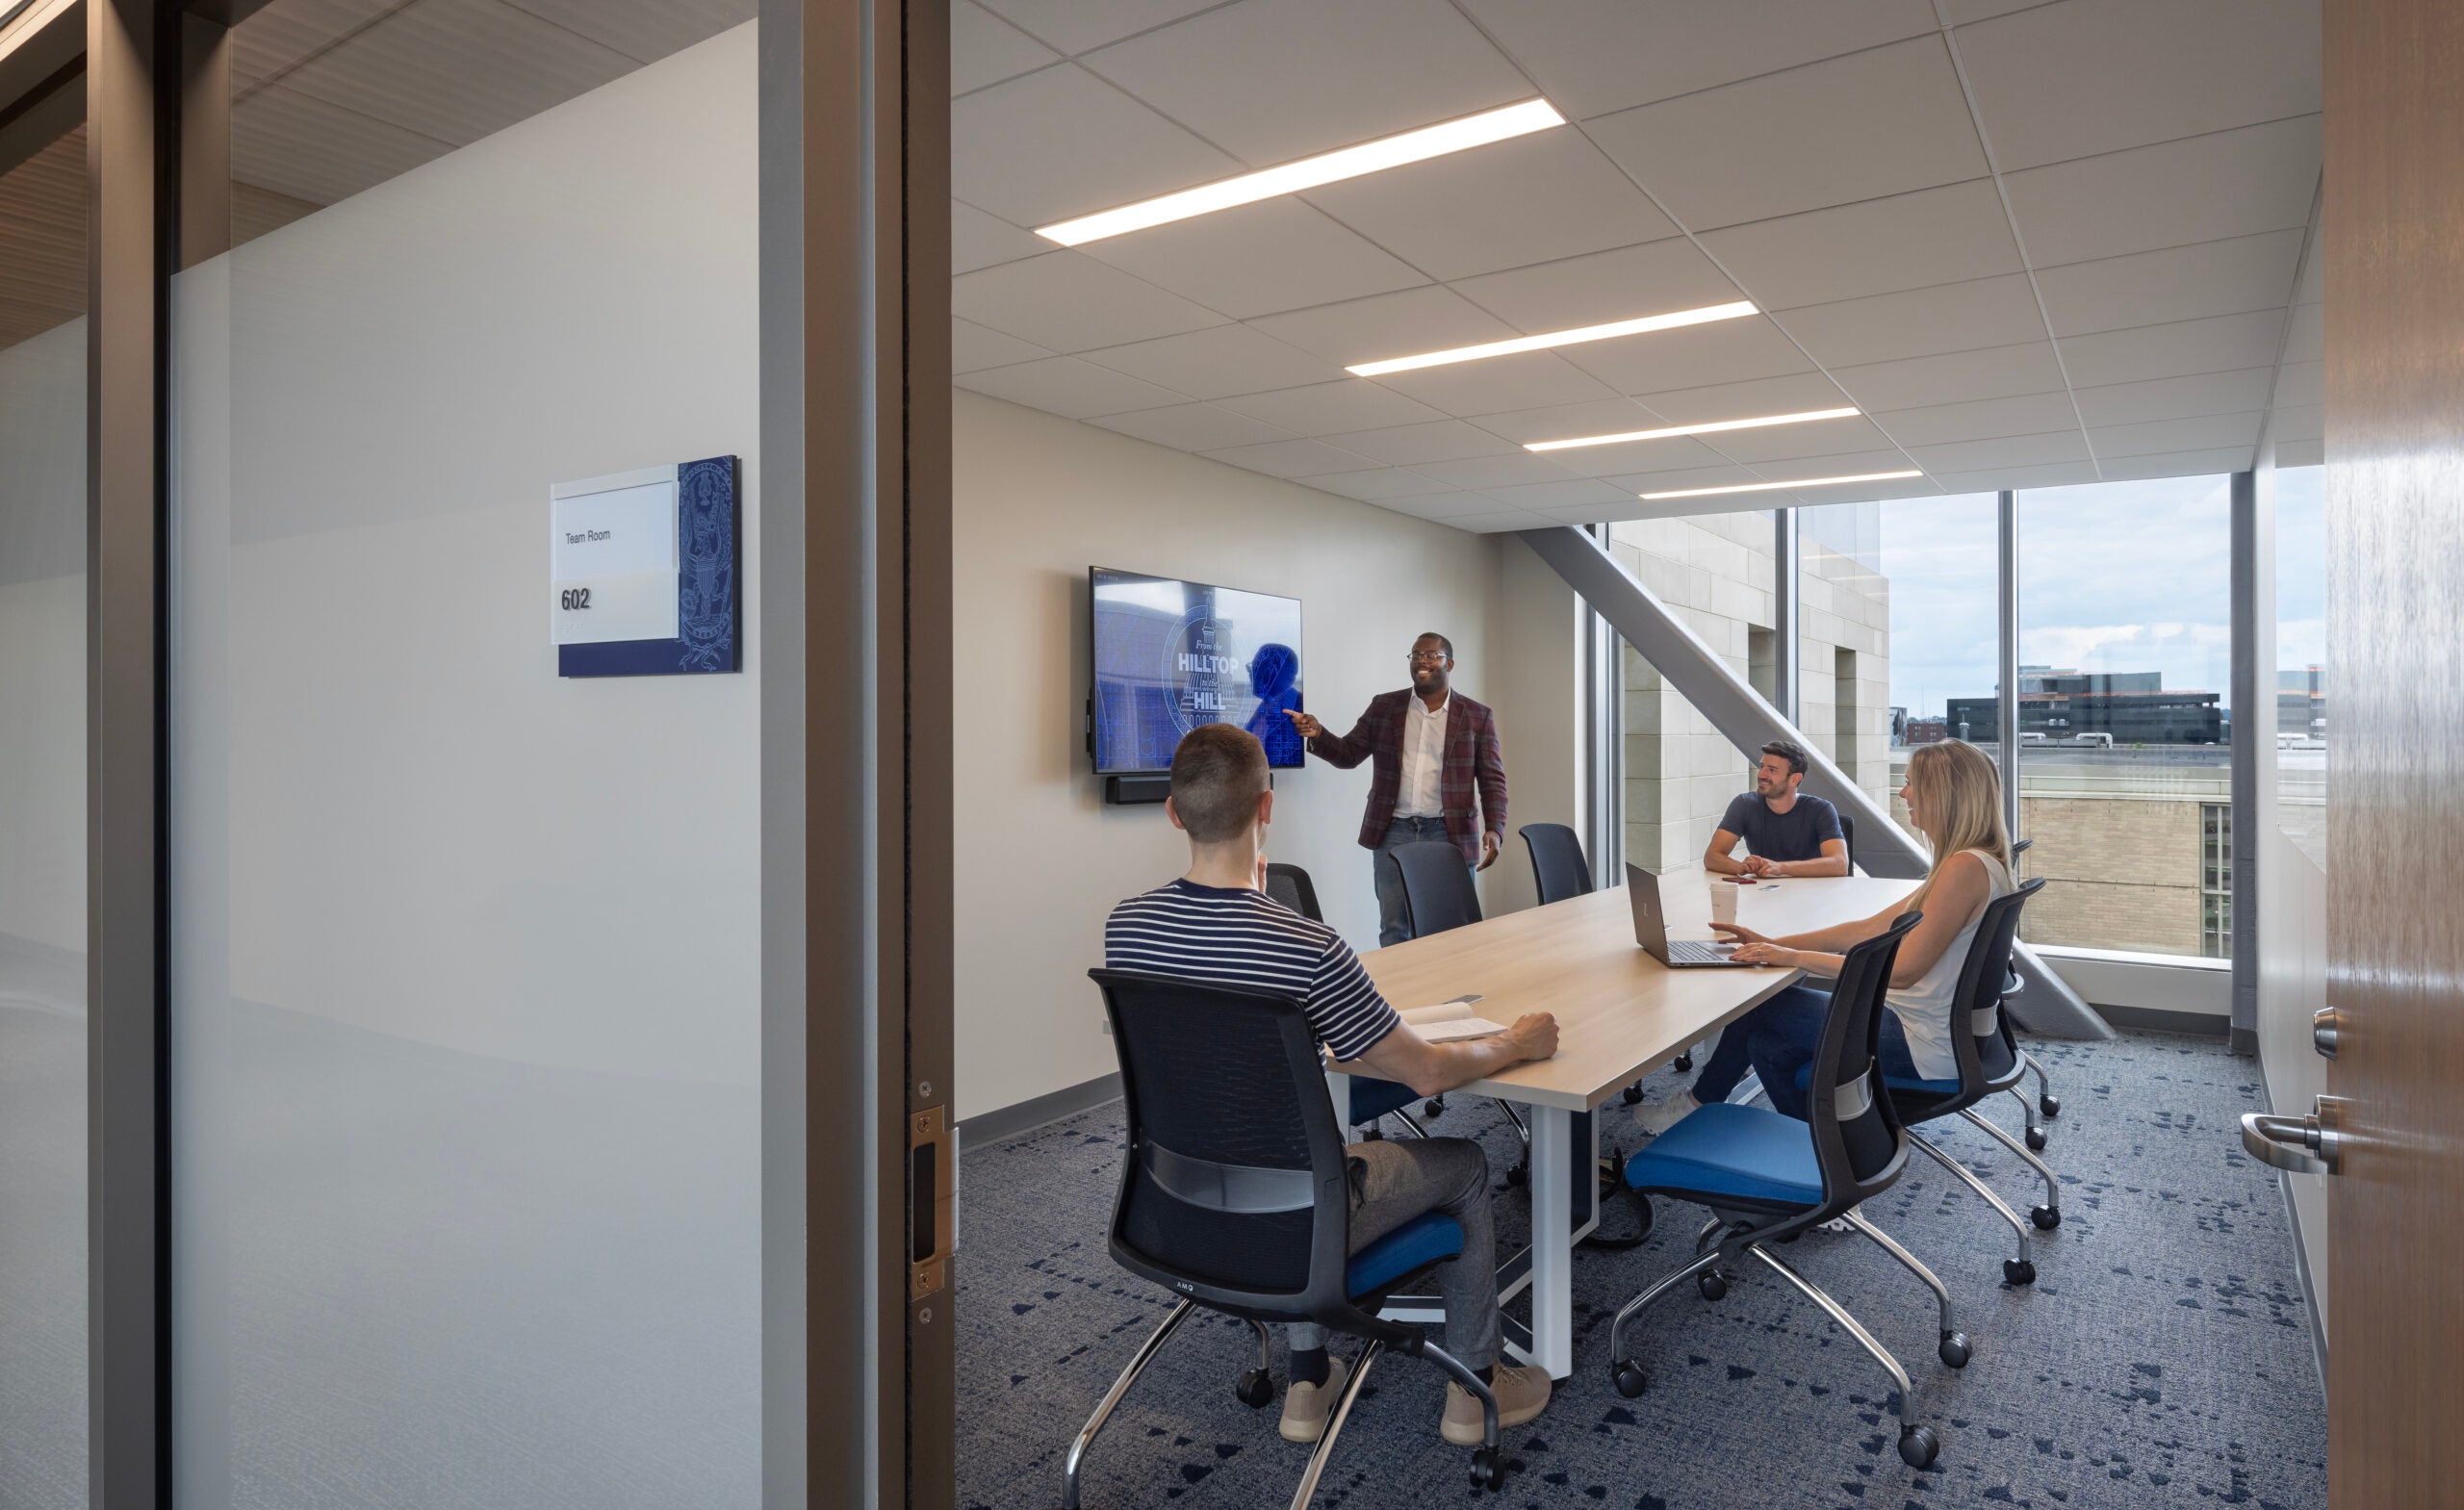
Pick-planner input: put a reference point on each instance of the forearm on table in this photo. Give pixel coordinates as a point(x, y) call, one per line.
point(1434, 1068)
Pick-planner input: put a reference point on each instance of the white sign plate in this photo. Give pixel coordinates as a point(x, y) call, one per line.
point(613, 563)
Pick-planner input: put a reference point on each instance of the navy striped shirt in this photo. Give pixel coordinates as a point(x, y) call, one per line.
point(1235, 937)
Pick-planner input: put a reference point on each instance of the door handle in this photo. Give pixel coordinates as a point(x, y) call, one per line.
point(2323, 1025)
point(2302, 1144)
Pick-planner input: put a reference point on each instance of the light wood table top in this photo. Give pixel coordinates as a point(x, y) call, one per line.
point(1620, 1013)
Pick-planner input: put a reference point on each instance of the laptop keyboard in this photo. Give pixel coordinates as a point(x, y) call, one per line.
point(1695, 952)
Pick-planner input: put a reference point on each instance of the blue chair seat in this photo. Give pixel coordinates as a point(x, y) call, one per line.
point(1372, 1099)
point(1423, 1240)
point(1921, 1087)
point(1745, 1153)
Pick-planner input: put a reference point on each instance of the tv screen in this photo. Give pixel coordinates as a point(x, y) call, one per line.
point(1170, 656)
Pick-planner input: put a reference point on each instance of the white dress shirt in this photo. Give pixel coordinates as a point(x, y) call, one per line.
point(1424, 760)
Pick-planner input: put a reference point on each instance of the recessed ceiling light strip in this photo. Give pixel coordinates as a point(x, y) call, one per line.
point(1773, 487)
point(1557, 338)
point(1369, 157)
point(1754, 424)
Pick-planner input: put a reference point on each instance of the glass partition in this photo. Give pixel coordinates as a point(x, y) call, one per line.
point(2301, 712)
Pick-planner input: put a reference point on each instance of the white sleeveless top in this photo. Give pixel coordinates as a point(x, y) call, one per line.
point(1925, 1007)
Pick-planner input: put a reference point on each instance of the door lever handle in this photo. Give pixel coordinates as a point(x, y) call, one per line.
point(2323, 1026)
point(2302, 1144)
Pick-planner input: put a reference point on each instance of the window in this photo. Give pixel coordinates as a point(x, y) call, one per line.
point(2216, 880)
point(2301, 713)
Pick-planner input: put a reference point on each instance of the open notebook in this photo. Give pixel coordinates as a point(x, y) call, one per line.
point(1450, 1023)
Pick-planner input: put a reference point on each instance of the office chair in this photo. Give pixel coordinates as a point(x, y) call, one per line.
point(1557, 865)
point(1768, 1178)
point(1988, 1064)
point(1291, 885)
point(1848, 840)
point(2047, 1101)
point(1438, 894)
point(1371, 1099)
point(1235, 1197)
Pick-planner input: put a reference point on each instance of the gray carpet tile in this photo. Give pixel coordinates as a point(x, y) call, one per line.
point(2163, 1357)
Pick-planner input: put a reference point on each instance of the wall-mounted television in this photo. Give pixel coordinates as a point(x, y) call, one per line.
point(1172, 654)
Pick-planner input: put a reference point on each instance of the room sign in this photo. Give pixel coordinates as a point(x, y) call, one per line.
point(642, 571)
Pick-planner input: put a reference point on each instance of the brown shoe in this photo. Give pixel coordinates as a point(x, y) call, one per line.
point(1522, 1393)
point(1306, 1406)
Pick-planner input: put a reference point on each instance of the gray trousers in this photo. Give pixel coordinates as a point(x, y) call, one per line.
point(1396, 1180)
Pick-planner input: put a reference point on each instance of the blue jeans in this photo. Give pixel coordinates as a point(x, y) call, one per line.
point(1393, 922)
point(1776, 1039)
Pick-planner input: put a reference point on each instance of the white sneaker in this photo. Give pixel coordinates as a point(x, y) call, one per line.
point(1307, 1406)
point(1658, 1116)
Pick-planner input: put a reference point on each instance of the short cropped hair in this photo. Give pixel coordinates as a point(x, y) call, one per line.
point(1440, 639)
point(1791, 751)
point(1218, 771)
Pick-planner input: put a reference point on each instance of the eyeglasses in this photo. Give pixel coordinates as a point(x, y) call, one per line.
point(1432, 656)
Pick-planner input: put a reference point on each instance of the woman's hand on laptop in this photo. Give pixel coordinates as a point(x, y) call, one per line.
point(1761, 951)
point(1534, 1034)
point(1737, 933)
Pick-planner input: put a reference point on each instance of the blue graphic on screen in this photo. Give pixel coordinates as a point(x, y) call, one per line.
point(1170, 656)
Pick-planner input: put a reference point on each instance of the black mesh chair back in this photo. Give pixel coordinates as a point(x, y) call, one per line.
point(1848, 840)
point(1437, 886)
point(1858, 1141)
point(1292, 887)
point(1988, 1060)
point(1557, 864)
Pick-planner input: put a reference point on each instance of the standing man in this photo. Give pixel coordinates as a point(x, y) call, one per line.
point(1785, 833)
point(1433, 747)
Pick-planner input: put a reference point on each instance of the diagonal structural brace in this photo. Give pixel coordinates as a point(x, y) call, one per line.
point(2049, 1006)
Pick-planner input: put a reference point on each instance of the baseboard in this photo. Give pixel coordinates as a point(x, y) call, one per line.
point(2159, 1019)
point(1025, 1116)
point(2309, 1288)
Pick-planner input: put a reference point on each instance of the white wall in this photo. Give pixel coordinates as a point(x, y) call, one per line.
point(1042, 859)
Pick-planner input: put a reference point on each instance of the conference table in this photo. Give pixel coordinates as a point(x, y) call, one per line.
point(1620, 1014)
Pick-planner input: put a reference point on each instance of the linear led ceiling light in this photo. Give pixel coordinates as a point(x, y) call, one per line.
point(1771, 487)
point(1556, 338)
point(1369, 157)
point(1689, 430)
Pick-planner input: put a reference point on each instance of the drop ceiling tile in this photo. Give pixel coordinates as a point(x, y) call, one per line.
point(1691, 356)
point(286, 31)
point(984, 49)
point(1595, 56)
point(1072, 303)
point(301, 147)
point(1930, 321)
point(2307, 340)
point(1511, 522)
point(2178, 283)
point(2177, 464)
point(1849, 464)
point(1880, 246)
point(1445, 507)
point(1961, 11)
point(1330, 408)
point(457, 69)
point(1581, 493)
point(1412, 444)
point(2073, 80)
point(1062, 143)
point(1659, 278)
point(2314, 273)
point(1782, 442)
point(1194, 427)
point(1535, 198)
point(1883, 121)
point(1067, 386)
point(1290, 458)
point(2009, 450)
point(1790, 394)
point(2052, 475)
point(2301, 453)
point(1076, 26)
point(1218, 362)
point(2205, 432)
point(978, 240)
point(1564, 422)
point(2216, 345)
point(1628, 458)
point(2177, 398)
point(2308, 423)
point(1491, 473)
point(643, 30)
point(1374, 485)
point(2233, 183)
point(2301, 383)
point(1953, 377)
point(1274, 80)
point(1493, 385)
point(1981, 419)
point(1278, 254)
point(1387, 325)
point(974, 347)
point(1863, 492)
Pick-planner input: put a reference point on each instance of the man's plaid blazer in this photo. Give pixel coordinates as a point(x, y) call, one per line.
point(1472, 764)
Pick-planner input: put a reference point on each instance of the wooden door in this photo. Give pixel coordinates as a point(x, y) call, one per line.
point(2394, 244)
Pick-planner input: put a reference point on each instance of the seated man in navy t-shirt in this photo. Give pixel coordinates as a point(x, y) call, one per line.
point(1785, 833)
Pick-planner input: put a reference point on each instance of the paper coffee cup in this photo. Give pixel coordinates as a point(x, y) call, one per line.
point(1723, 901)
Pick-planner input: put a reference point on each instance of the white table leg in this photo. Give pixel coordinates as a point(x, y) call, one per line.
point(1552, 1241)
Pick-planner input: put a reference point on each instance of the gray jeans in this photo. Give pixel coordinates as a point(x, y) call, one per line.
point(1394, 921)
point(1396, 1180)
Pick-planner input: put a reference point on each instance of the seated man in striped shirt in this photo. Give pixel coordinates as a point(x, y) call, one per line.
point(1218, 924)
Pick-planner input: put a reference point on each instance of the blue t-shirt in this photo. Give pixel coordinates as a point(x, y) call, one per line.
point(1795, 835)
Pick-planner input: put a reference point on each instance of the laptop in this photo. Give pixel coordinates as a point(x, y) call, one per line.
point(1651, 929)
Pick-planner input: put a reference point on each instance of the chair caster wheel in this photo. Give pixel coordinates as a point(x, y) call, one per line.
point(1434, 1106)
point(1375, 1135)
point(1519, 1175)
point(1633, 1095)
point(1256, 1389)
point(1683, 1062)
point(2050, 1106)
point(1713, 1283)
point(2036, 1139)
point(1488, 1469)
point(1919, 1446)
point(2019, 1271)
point(1629, 1378)
point(1954, 1351)
point(2046, 1218)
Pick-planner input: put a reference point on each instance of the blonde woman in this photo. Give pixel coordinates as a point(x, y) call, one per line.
point(1955, 799)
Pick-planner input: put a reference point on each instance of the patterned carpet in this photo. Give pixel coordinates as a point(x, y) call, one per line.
point(2163, 1357)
